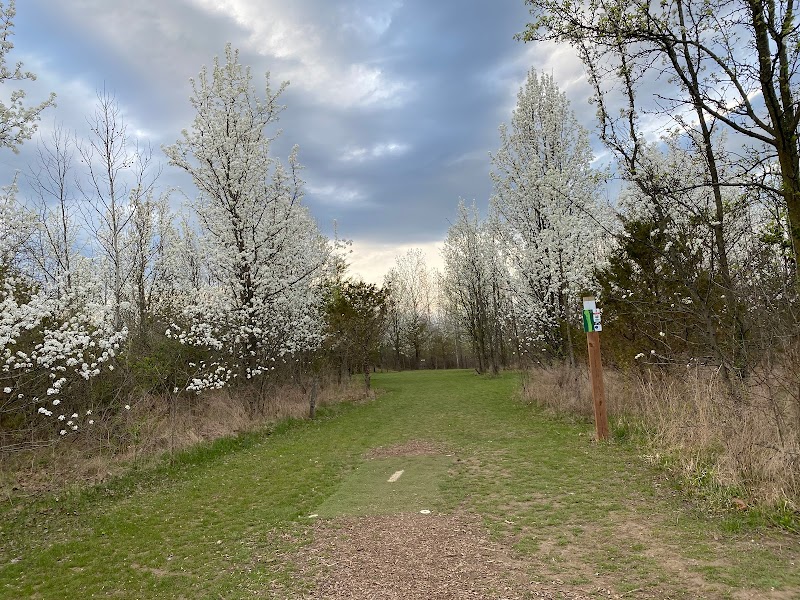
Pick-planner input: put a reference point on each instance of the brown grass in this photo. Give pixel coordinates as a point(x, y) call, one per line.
point(155, 425)
point(748, 445)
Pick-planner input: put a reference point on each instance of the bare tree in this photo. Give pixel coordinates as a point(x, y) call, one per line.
point(394, 324)
point(51, 180)
point(117, 170)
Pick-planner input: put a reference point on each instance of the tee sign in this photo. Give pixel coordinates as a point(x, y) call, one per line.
point(591, 315)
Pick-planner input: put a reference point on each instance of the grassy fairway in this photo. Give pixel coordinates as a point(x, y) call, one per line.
point(226, 522)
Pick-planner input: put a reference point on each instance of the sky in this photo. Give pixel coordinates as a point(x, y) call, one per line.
point(395, 104)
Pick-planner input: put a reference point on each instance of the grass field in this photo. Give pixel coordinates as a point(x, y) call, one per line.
point(228, 520)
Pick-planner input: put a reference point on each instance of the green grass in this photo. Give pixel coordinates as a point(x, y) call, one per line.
point(225, 518)
point(367, 490)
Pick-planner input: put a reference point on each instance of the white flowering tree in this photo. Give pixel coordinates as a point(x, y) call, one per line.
point(263, 252)
point(18, 122)
point(18, 227)
point(159, 261)
point(54, 337)
point(53, 333)
point(411, 291)
point(474, 282)
point(179, 267)
point(546, 200)
point(706, 66)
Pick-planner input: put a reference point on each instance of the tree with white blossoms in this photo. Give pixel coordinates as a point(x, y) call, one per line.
point(18, 227)
point(546, 200)
point(149, 239)
point(17, 121)
point(179, 267)
point(705, 65)
point(264, 254)
point(473, 283)
point(411, 290)
point(53, 335)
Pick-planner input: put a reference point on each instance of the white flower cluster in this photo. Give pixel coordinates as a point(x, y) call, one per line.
point(246, 343)
point(215, 376)
point(241, 284)
point(50, 339)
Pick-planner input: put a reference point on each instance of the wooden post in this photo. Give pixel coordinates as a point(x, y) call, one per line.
point(592, 325)
point(598, 389)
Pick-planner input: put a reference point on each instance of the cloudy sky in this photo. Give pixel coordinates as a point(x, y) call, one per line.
point(395, 104)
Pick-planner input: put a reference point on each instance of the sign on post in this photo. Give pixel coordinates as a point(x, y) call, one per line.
point(592, 317)
point(593, 325)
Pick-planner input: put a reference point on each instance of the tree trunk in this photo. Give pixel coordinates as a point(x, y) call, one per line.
point(691, 78)
point(312, 401)
point(782, 111)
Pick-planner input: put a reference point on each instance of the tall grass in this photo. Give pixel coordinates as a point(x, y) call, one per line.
point(743, 449)
point(156, 425)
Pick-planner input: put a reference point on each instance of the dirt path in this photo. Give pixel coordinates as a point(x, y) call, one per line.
point(452, 557)
point(415, 557)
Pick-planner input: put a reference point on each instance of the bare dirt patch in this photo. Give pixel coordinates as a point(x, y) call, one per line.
point(408, 448)
point(415, 557)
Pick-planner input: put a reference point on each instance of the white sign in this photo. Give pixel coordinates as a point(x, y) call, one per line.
point(592, 316)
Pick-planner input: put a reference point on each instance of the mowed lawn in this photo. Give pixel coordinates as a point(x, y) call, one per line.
point(229, 520)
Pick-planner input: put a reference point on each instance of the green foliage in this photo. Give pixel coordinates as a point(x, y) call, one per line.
point(160, 364)
point(356, 315)
point(659, 295)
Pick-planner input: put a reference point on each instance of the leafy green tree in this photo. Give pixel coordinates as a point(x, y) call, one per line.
point(356, 319)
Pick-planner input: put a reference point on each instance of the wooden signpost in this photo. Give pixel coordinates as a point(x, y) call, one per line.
point(592, 325)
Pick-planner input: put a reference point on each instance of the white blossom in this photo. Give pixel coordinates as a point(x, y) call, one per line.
point(547, 203)
point(259, 242)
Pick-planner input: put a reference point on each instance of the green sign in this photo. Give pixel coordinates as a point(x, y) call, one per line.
point(588, 322)
point(591, 315)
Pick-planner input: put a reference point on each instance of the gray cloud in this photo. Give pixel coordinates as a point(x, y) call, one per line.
point(395, 104)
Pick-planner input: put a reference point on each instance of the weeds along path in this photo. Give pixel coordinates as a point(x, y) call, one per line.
point(489, 498)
